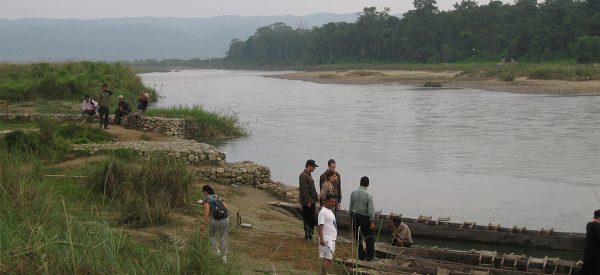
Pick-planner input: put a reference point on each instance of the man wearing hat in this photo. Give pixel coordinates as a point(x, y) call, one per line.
point(308, 198)
point(123, 109)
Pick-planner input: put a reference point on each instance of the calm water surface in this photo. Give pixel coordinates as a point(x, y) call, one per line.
point(514, 159)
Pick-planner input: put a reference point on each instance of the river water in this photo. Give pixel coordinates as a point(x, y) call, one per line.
point(515, 159)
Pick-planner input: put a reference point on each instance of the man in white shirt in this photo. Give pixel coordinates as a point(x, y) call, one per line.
point(88, 106)
point(327, 232)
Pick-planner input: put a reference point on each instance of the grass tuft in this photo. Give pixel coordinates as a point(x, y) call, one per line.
point(203, 124)
point(146, 190)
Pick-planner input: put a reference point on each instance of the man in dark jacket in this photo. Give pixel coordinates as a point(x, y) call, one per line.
point(123, 109)
point(591, 251)
point(308, 198)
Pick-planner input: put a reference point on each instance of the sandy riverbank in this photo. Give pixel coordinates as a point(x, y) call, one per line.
point(447, 79)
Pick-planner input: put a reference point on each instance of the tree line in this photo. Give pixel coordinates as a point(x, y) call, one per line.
point(552, 30)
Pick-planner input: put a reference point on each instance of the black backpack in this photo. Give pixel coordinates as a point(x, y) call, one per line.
point(219, 211)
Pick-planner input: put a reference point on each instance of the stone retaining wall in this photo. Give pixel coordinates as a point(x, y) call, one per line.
point(172, 127)
point(193, 152)
point(248, 172)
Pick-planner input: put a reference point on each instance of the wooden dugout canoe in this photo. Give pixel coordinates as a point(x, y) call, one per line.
point(442, 228)
point(482, 258)
point(425, 266)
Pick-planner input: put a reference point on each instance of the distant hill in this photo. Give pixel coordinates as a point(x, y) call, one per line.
point(25, 40)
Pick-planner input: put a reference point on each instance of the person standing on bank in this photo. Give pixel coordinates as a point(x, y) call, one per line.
point(218, 229)
point(103, 105)
point(362, 216)
point(331, 166)
point(591, 251)
point(327, 231)
point(328, 187)
point(308, 198)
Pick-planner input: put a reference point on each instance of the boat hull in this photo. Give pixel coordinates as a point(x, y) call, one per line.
point(455, 231)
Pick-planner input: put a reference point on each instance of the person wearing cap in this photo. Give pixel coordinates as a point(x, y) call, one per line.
point(123, 109)
point(103, 109)
point(142, 105)
point(591, 250)
point(362, 217)
point(401, 233)
point(88, 106)
point(308, 198)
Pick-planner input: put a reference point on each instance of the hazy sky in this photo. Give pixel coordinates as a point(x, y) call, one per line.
point(86, 9)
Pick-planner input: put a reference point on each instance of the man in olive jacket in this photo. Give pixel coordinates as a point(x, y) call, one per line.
point(308, 198)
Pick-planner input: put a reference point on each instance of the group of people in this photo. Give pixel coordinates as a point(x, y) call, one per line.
point(361, 211)
point(90, 108)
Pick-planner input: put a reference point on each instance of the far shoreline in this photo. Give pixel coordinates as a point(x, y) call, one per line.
point(446, 79)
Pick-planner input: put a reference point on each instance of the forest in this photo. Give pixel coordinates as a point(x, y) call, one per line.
point(523, 31)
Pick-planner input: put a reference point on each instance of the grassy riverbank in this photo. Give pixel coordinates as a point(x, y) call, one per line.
point(60, 225)
point(67, 81)
point(203, 124)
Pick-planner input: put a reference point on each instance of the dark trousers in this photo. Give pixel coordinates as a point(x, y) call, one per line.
point(363, 223)
point(119, 115)
point(103, 115)
point(308, 215)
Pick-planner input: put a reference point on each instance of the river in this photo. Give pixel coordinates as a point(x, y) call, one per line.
point(514, 159)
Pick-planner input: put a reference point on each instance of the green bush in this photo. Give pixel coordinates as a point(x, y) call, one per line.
point(146, 190)
point(79, 134)
point(22, 142)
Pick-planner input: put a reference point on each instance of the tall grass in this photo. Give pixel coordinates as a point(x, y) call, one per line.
point(146, 190)
point(46, 231)
point(203, 124)
point(39, 235)
point(198, 258)
point(71, 80)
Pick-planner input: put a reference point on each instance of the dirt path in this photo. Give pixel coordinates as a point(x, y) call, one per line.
point(449, 79)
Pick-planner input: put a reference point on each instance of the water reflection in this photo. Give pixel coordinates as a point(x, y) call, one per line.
point(514, 159)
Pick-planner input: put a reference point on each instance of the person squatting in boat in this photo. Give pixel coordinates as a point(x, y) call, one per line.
point(401, 233)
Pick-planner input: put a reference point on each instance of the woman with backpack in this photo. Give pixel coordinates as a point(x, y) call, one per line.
point(217, 218)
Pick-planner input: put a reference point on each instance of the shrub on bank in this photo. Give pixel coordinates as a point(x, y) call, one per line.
point(202, 124)
point(145, 190)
